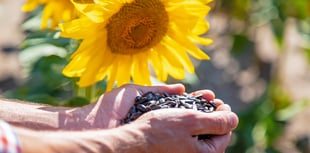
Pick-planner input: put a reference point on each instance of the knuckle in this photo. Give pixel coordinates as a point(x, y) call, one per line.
point(222, 123)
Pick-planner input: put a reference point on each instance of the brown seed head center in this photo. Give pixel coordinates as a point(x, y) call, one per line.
point(137, 27)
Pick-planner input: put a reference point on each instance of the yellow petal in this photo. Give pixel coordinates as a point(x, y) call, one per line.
point(176, 72)
point(200, 40)
point(85, 53)
point(206, 1)
point(191, 48)
point(196, 8)
point(89, 75)
point(107, 62)
point(140, 72)
point(173, 64)
point(30, 5)
point(158, 66)
point(112, 76)
point(201, 27)
point(179, 53)
point(124, 69)
point(100, 11)
point(79, 28)
point(76, 67)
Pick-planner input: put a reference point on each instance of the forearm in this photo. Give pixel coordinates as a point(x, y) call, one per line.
point(102, 141)
point(47, 142)
point(41, 117)
point(32, 141)
point(124, 139)
point(29, 114)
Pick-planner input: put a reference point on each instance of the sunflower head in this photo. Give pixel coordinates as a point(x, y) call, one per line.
point(121, 39)
point(54, 11)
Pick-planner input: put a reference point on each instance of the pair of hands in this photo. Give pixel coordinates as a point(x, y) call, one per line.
point(166, 130)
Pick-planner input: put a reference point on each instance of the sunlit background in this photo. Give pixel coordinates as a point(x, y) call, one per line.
point(259, 66)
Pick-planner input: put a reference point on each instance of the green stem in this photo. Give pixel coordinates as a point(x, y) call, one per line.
point(89, 93)
point(76, 90)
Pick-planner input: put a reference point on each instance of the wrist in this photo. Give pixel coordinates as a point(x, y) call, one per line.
point(69, 142)
point(131, 138)
point(76, 118)
point(124, 139)
point(32, 141)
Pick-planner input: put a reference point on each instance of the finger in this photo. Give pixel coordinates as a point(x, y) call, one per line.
point(221, 106)
point(170, 89)
point(224, 107)
point(214, 144)
point(218, 102)
point(215, 123)
point(206, 94)
point(210, 96)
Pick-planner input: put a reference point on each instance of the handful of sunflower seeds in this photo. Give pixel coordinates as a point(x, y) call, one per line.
point(152, 101)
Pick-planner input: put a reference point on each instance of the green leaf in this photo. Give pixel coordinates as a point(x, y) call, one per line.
point(292, 110)
point(46, 83)
point(307, 51)
point(77, 102)
point(241, 44)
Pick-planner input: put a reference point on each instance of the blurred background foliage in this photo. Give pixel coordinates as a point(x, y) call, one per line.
point(263, 117)
point(263, 122)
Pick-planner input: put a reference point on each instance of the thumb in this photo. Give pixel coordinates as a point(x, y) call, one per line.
point(170, 89)
point(192, 121)
point(216, 123)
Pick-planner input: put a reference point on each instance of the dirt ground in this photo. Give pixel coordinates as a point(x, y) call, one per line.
point(293, 68)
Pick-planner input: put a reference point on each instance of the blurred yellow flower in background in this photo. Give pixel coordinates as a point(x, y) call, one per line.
point(55, 11)
point(120, 38)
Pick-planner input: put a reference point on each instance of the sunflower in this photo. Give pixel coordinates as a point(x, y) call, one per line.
point(120, 38)
point(55, 11)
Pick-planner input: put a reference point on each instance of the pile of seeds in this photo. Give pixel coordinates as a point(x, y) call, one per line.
point(152, 101)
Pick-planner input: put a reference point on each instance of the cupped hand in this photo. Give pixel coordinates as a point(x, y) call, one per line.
point(175, 130)
point(113, 106)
